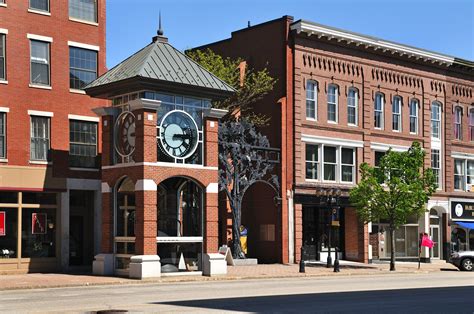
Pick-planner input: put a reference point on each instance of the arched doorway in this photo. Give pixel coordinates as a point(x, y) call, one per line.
point(124, 225)
point(180, 225)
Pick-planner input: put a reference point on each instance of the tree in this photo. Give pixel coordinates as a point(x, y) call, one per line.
point(243, 163)
point(395, 190)
point(251, 85)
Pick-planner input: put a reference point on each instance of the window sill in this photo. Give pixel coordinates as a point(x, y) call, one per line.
point(332, 122)
point(39, 12)
point(40, 86)
point(3, 160)
point(83, 21)
point(352, 125)
point(84, 169)
point(77, 91)
point(3, 82)
point(4, 5)
point(311, 119)
point(40, 162)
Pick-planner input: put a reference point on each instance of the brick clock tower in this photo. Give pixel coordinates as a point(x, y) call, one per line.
point(159, 164)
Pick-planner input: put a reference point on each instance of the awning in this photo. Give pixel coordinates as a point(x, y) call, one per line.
point(468, 225)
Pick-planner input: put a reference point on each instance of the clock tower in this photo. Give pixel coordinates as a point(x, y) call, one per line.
point(159, 165)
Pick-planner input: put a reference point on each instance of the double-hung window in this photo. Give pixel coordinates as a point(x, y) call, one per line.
point(82, 144)
point(436, 165)
point(332, 103)
point(471, 124)
point(3, 137)
point(330, 163)
point(40, 138)
point(3, 75)
point(457, 123)
point(352, 106)
point(378, 111)
point(463, 174)
point(311, 100)
point(82, 67)
point(312, 161)
point(414, 116)
point(85, 10)
point(40, 5)
point(39, 62)
point(436, 120)
point(347, 164)
point(397, 114)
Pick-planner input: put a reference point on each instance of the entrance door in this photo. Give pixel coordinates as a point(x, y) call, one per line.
point(310, 241)
point(434, 232)
point(76, 240)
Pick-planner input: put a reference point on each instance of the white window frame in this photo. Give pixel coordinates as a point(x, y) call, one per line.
point(381, 110)
point(315, 99)
point(3, 38)
point(471, 124)
point(397, 116)
point(48, 136)
point(354, 105)
point(435, 104)
point(36, 10)
point(335, 164)
point(77, 19)
point(3, 115)
point(336, 103)
point(414, 103)
point(439, 168)
point(317, 162)
point(457, 122)
point(462, 174)
point(353, 165)
point(48, 63)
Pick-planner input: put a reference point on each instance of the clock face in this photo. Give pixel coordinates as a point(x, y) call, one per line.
point(125, 134)
point(178, 134)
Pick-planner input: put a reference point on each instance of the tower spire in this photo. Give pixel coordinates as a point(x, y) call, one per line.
point(160, 30)
point(160, 34)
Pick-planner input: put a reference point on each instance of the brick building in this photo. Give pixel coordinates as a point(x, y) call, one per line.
point(50, 200)
point(342, 99)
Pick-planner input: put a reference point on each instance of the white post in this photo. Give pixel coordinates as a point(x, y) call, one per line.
point(291, 228)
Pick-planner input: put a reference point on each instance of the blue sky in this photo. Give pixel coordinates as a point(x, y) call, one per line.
point(445, 26)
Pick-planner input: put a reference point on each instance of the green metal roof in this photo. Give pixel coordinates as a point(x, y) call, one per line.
point(161, 61)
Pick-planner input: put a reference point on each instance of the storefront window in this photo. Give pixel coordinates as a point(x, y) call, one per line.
point(8, 232)
point(38, 232)
point(471, 240)
point(458, 239)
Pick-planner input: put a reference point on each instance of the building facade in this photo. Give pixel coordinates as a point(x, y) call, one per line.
point(343, 99)
point(50, 211)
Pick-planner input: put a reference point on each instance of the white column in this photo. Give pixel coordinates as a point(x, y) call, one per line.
point(64, 230)
point(425, 227)
point(291, 228)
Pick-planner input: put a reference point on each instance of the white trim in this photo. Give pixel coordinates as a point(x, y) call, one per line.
point(212, 188)
point(4, 31)
point(40, 162)
point(3, 160)
point(84, 46)
point(105, 187)
point(4, 109)
point(179, 239)
point(159, 164)
point(331, 141)
point(83, 21)
point(77, 91)
point(39, 37)
point(3, 82)
point(4, 5)
point(460, 155)
point(40, 113)
point(385, 147)
point(40, 86)
point(39, 12)
point(145, 185)
point(83, 118)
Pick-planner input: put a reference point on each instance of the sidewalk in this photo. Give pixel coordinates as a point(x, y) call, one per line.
point(39, 280)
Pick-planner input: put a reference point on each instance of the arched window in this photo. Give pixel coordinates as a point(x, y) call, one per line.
point(378, 111)
point(397, 113)
point(436, 120)
point(311, 100)
point(414, 116)
point(457, 123)
point(332, 103)
point(352, 106)
point(471, 124)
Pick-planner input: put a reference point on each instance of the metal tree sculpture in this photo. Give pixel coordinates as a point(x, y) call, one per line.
point(244, 160)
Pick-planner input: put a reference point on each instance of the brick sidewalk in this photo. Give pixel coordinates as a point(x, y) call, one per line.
point(38, 280)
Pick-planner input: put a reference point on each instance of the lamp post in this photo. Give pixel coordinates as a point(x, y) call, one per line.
point(329, 197)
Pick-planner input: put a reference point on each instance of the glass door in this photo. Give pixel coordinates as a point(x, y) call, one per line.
point(434, 233)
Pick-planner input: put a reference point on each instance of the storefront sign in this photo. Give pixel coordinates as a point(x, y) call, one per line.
point(462, 211)
point(38, 223)
point(2, 223)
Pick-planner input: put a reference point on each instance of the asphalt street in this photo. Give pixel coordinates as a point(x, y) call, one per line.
point(445, 292)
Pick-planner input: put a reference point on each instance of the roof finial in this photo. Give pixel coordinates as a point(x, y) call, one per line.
point(160, 30)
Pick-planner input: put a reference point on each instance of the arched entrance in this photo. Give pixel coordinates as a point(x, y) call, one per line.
point(435, 233)
point(180, 225)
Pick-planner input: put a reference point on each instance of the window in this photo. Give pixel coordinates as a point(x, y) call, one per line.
point(459, 174)
point(83, 10)
point(2, 57)
point(3, 138)
point(414, 116)
point(332, 103)
point(330, 163)
point(471, 124)
point(458, 123)
point(41, 5)
point(378, 111)
point(378, 157)
point(470, 172)
point(82, 144)
point(347, 164)
point(312, 162)
point(82, 67)
point(39, 149)
point(436, 120)
point(436, 165)
point(352, 104)
point(311, 100)
point(397, 113)
point(39, 62)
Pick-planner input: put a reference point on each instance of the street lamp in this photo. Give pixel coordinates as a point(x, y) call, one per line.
point(329, 197)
